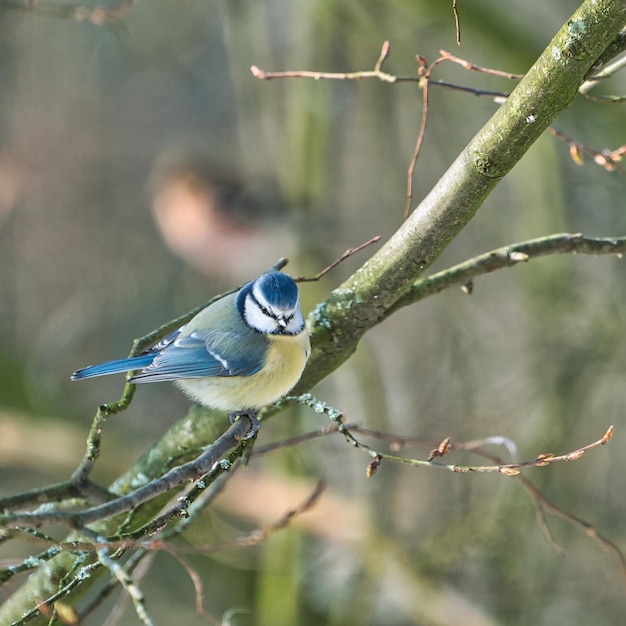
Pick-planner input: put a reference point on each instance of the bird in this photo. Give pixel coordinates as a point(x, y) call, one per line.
point(238, 354)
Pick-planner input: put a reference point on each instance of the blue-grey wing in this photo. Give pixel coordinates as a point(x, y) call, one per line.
point(200, 355)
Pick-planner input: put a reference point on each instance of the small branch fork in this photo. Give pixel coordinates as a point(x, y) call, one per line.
point(205, 471)
point(80, 486)
point(464, 273)
point(542, 504)
point(509, 469)
point(190, 471)
point(109, 550)
point(608, 159)
point(348, 253)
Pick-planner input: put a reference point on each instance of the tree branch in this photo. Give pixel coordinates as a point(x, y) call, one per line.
point(547, 89)
point(380, 284)
point(508, 256)
point(190, 471)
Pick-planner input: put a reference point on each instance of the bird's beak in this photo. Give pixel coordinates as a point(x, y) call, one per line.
point(282, 322)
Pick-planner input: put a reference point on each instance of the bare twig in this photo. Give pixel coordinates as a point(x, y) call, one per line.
point(604, 158)
point(466, 65)
point(541, 503)
point(348, 253)
point(138, 564)
point(607, 159)
point(58, 492)
point(191, 470)
point(122, 576)
point(509, 469)
point(181, 510)
point(508, 256)
point(544, 505)
point(44, 607)
point(457, 22)
point(608, 70)
point(260, 535)
point(585, 527)
point(194, 577)
point(425, 72)
point(377, 72)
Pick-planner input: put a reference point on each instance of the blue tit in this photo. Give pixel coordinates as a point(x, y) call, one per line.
point(239, 354)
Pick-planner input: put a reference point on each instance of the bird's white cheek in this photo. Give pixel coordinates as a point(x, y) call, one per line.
point(256, 319)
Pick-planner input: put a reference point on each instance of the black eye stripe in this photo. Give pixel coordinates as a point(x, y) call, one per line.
point(262, 308)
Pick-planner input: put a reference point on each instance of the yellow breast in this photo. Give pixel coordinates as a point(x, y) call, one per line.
point(287, 355)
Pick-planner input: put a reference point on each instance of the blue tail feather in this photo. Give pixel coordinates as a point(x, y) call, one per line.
point(114, 367)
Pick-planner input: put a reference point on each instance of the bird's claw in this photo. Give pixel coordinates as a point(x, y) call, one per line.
point(252, 416)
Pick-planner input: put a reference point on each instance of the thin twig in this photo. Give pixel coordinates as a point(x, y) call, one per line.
point(57, 492)
point(43, 607)
point(195, 578)
point(541, 503)
point(175, 477)
point(498, 96)
point(257, 72)
point(425, 74)
point(103, 549)
point(260, 535)
point(509, 256)
point(509, 469)
point(607, 159)
point(181, 510)
point(585, 527)
point(467, 65)
point(544, 505)
point(384, 53)
point(348, 253)
point(457, 22)
point(606, 72)
point(138, 564)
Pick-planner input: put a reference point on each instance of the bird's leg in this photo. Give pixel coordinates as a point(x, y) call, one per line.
point(250, 415)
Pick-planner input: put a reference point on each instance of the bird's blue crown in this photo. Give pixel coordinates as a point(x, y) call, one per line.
point(278, 289)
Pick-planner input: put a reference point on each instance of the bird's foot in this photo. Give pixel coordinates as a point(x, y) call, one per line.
point(252, 417)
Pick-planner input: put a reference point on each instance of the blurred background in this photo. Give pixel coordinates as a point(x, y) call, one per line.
point(143, 169)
